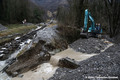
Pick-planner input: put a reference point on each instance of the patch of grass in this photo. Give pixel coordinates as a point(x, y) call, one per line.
point(12, 29)
point(15, 28)
point(5, 40)
point(11, 26)
point(51, 25)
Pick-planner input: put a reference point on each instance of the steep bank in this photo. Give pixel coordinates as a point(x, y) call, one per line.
point(44, 41)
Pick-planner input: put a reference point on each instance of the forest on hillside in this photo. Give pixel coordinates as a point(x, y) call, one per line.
point(106, 12)
point(14, 11)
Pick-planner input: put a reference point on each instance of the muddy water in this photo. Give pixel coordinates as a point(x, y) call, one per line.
point(43, 72)
point(23, 46)
point(46, 70)
point(3, 76)
point(78, 56)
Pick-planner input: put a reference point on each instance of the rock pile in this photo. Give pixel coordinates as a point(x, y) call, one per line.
point(91, 45)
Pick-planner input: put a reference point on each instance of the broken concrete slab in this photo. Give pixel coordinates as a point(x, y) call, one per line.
point(68, 63)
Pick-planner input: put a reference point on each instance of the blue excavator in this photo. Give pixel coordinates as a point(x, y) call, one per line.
point(94, 30)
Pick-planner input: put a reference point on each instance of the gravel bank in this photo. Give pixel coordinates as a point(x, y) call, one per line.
point(103, 65)
point(91, 45)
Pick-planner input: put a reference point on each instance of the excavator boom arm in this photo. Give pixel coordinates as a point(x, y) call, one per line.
point(87, 17)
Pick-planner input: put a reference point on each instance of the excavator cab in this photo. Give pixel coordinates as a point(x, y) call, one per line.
point(91, 31)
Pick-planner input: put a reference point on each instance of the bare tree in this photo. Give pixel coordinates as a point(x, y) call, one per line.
point(113, 14)
point(73, 15)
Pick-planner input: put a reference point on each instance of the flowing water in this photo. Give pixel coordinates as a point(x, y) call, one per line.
point(43, 72)
point(78, 56)
point(46, 70)
point(23, 46)
point(3, 76)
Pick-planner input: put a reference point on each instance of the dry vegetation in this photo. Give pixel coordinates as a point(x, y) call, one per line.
point(15, 29)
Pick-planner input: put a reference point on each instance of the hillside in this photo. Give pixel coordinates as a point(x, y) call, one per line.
point(51, 5)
